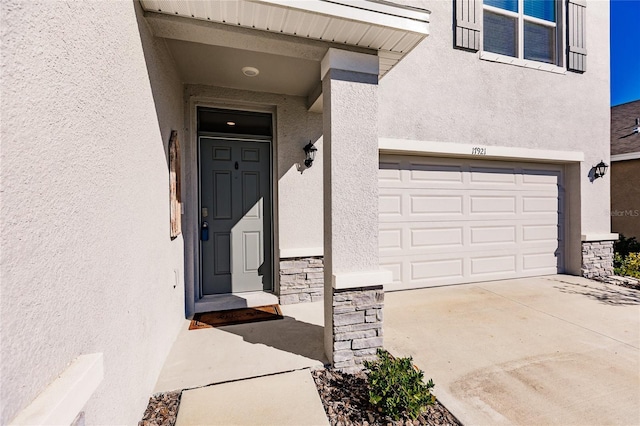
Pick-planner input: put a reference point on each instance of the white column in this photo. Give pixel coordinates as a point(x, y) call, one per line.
point(353, 292)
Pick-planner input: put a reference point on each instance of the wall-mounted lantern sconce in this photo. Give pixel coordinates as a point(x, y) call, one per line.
point(600, 169)
point(310, 153)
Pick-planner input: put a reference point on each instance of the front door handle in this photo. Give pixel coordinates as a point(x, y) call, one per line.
point(204, 231)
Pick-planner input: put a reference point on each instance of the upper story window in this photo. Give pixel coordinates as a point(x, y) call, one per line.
point(525, 29)
point(527, 33)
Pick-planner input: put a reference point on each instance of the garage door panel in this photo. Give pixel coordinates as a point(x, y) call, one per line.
point(436, 173)
point(540, 204)
point(424, 236)
point(492, 235)
point(389, 173)
point(437, 238)
point(438, 268)
point(436, 204)
point(446, 221)
point(494, 175)
point(547, 262)
point(390, 240)
point(543, 179)
point(492, 204)
point(493, 264)
point(535, 233)
point(390, 205)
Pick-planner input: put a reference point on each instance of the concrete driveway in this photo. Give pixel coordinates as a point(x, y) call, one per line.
point(536, 351)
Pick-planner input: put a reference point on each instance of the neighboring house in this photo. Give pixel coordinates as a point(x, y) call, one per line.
point(455, 143)
point(625, 169)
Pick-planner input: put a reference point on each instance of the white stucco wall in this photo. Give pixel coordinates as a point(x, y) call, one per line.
point(438, 93)
point(87, 265)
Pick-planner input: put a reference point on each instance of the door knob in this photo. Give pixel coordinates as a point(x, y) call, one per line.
point(204, 231)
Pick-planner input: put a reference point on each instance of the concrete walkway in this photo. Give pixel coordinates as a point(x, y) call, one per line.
point(281, 399)
point(538, 351)
point(237, 352)
point(249, 374)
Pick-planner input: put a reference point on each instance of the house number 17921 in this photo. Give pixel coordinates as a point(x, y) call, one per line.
point(476, 150)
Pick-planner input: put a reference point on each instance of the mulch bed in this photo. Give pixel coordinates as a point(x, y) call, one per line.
point(345, 398)
point(162, 410)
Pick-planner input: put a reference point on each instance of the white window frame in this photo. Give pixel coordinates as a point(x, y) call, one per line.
point(556, 66)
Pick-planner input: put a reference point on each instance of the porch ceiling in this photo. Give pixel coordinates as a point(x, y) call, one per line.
point(211, 65)
point(391, 29)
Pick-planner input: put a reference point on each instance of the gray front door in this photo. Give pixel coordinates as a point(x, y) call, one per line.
point(235, 205)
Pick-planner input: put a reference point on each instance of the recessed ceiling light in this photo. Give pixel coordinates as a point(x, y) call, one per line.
point(231, 123)
point(250, 71)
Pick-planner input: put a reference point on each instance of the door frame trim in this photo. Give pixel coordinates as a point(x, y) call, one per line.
point(192, 277)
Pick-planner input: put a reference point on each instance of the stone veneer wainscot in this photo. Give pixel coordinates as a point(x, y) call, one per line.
point(301, 280)
point(597, 259)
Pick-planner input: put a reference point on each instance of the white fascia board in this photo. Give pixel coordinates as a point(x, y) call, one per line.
point(442, 149)
point(380, 14)
point(599, 237)
point(626, 157)
point(301, 252)
point(62, 401)
point(348, 280)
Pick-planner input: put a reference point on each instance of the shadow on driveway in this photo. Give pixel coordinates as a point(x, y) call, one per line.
point(605, 293)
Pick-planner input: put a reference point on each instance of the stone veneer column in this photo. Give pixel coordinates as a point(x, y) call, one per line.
point(353, 282)
point(597, 259)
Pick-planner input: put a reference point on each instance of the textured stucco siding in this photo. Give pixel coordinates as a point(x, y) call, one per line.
point(351, 180)
point(438, 93)
point(625, 198)
point(88, 103)
point(298, 215)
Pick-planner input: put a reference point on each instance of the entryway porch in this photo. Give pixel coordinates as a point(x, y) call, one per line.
point(318, 84)
point(237, 352)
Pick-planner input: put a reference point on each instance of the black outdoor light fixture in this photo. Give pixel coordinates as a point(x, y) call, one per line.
point(600, 169)
point(310, 152)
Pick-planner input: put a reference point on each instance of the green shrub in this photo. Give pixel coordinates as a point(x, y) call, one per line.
point(624, 246)
point(395, 386)
point(628, 266)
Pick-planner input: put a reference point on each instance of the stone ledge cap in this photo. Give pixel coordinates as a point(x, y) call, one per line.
point(361, 279)
point(599, 237)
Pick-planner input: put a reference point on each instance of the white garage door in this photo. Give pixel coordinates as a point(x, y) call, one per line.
point(450, 221)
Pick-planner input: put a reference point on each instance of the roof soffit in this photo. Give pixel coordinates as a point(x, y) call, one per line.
point(390, 29)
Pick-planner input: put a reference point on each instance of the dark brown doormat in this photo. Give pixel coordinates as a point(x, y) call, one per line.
point(235, 316)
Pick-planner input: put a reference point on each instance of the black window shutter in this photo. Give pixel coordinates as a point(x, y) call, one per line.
point(576, 35)
point(468, 24)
